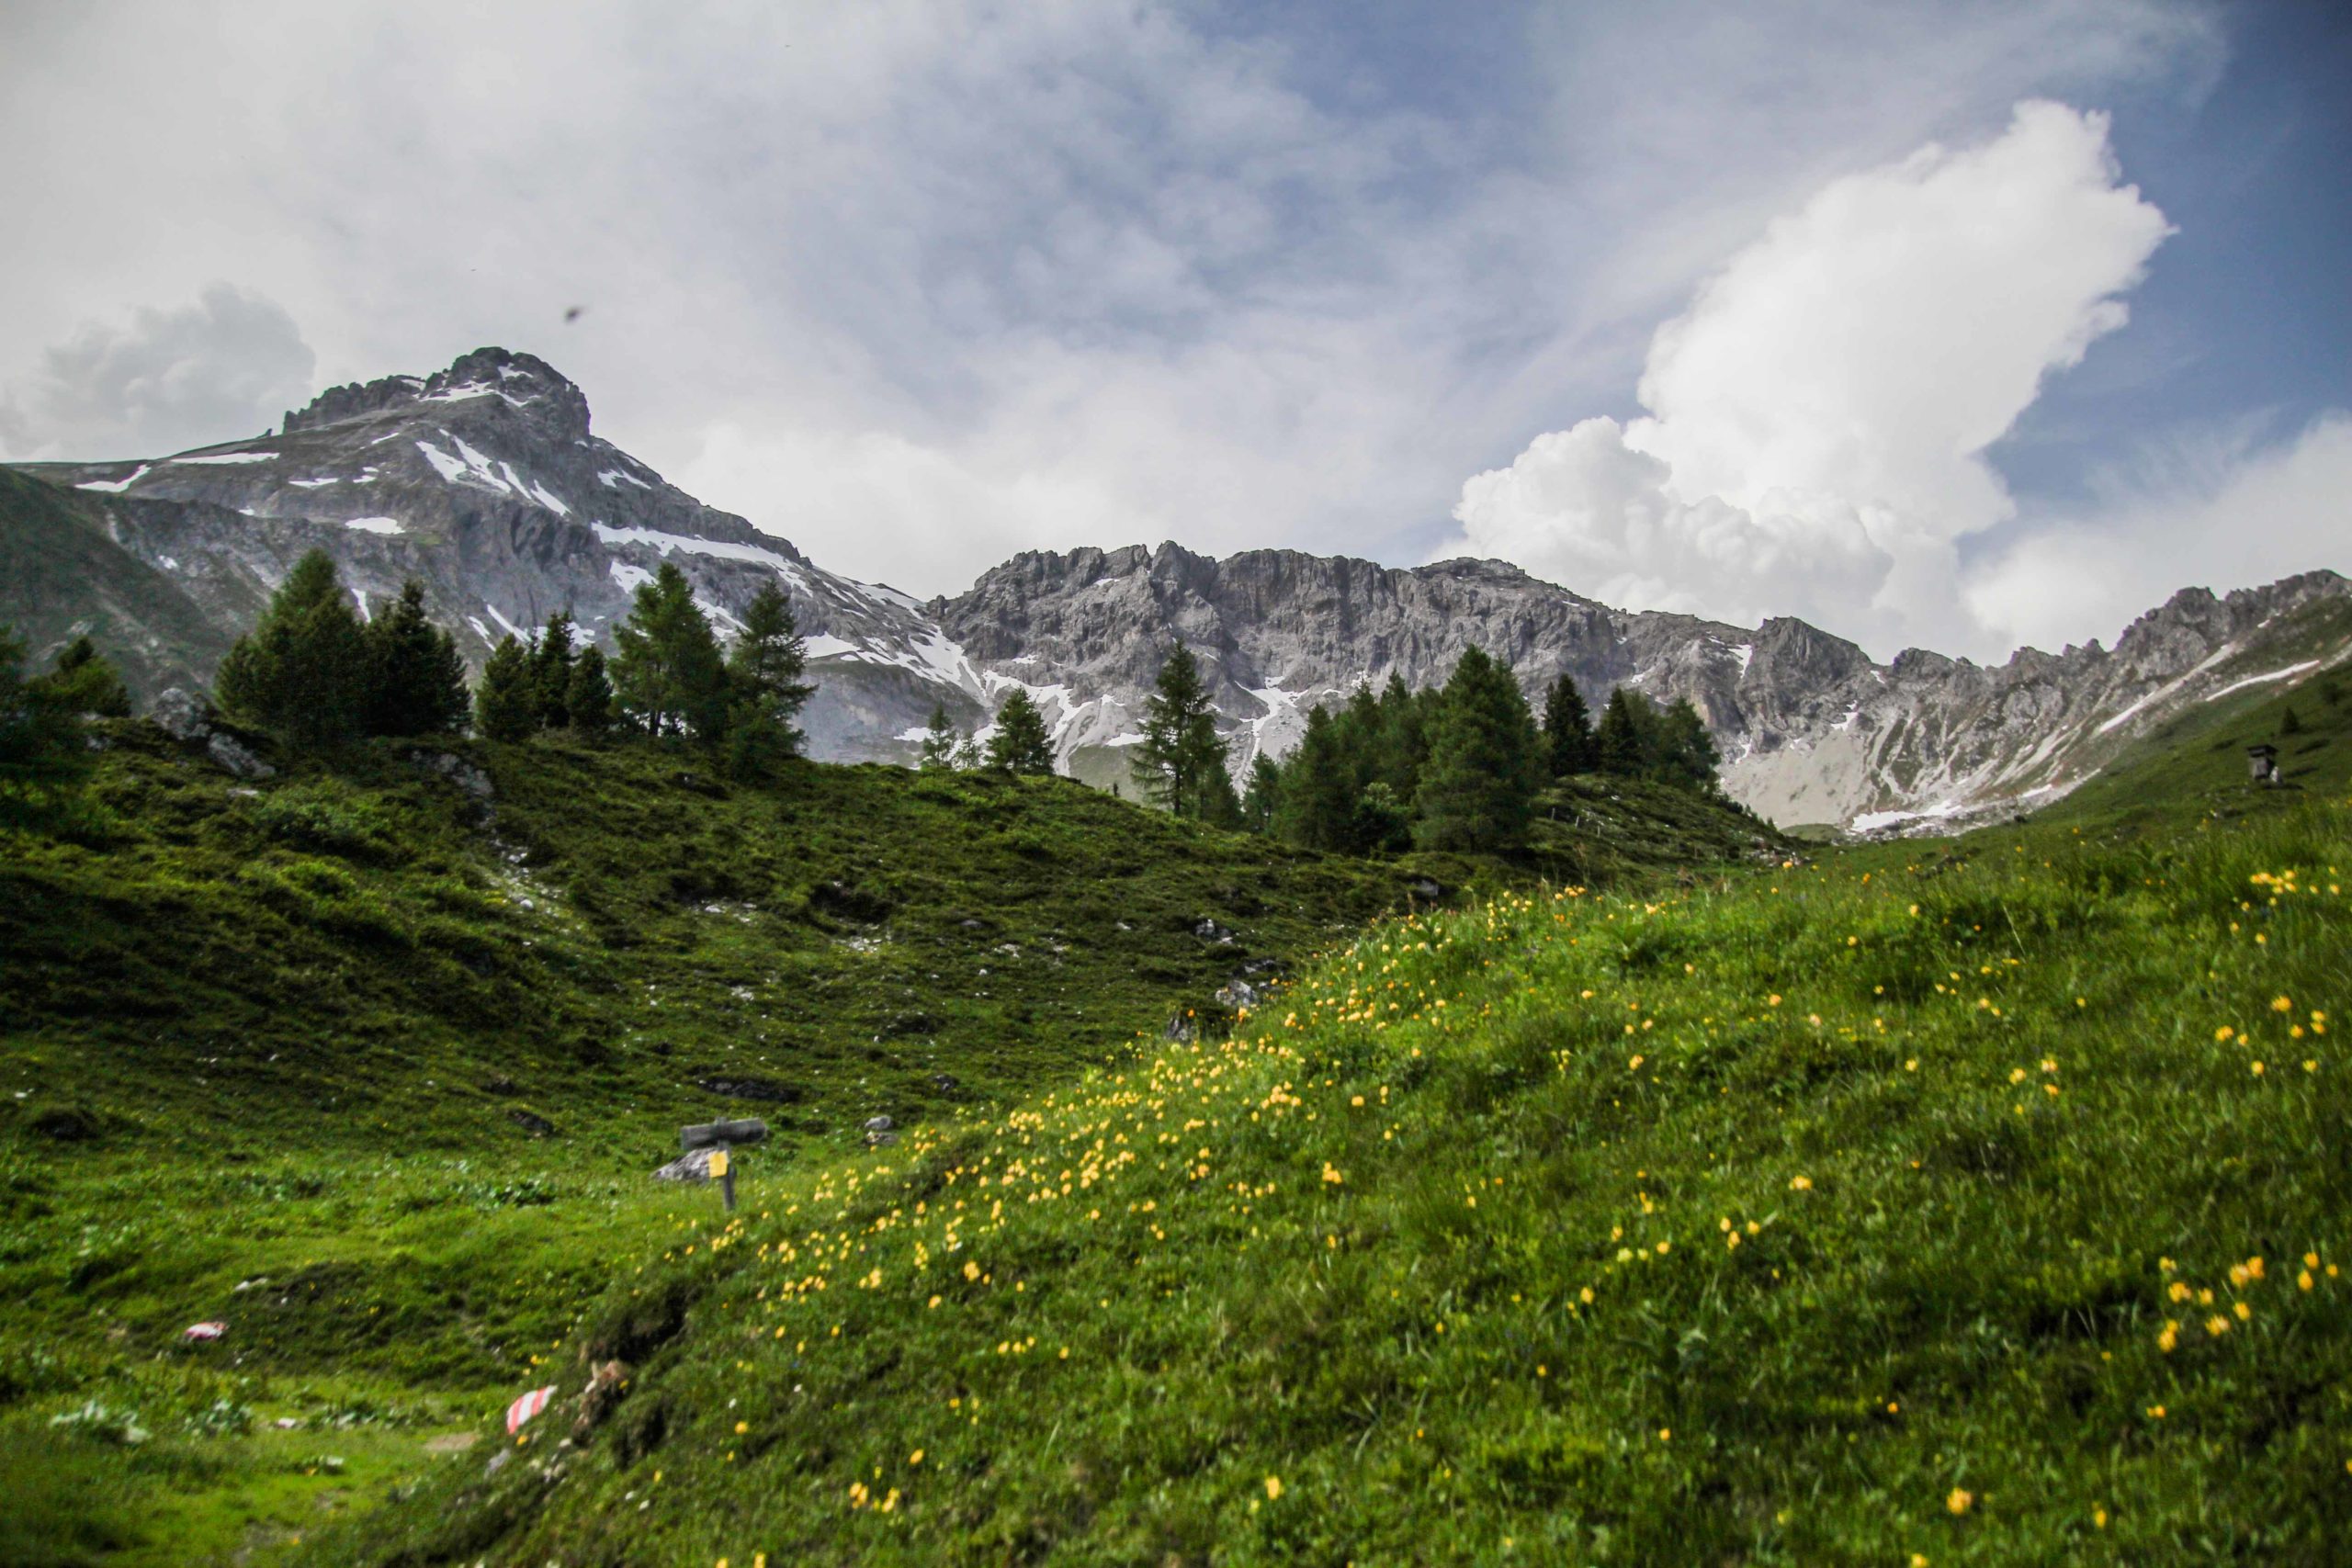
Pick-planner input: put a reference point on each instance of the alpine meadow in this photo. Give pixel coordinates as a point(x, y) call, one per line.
point(1555, 974)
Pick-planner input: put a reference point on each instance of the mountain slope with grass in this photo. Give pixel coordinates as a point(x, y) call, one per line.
point(1972, 1202)
point(371, 1064)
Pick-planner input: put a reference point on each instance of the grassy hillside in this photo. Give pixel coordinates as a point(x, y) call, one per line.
point(373, 1069)
point(61, 576)
point(1932, 1203)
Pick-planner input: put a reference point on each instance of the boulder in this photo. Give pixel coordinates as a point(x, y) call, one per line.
point(183, 714)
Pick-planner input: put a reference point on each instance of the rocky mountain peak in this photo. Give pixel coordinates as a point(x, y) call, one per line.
point(523, 381)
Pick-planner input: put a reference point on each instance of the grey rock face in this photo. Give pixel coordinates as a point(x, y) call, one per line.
point(486, 481)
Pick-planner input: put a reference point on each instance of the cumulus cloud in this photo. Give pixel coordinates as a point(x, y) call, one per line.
point(2259, 513)
point(1818, 418)
point(225, 366)
point(915, 281)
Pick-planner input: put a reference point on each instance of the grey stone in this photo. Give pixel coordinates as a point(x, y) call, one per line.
point(182, 714)
point(236, 757)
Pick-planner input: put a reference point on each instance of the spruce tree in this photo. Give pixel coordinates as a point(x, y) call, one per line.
point(301, 672)
point(1569, 744)
point(1403, 740)
point(1685, 752)
point(764, 688)
point(939, 742)
point(416, 680)
point(42, 753)
point(1316, 807)
point(1019, 744)
point(1182, 764)
point(551, 656)
point(588, 701)
point(668, 673)
point(84, 680)
point(1478, 788)
point(506, 705)
point(1262, 802)
point(1624, 743)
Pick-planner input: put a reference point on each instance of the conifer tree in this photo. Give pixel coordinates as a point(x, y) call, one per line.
point(1404, 740)
point(939, 742)
point(551, 656)
point(1019, 744)
point(42, 755)
point(1569, 744)
point(765, 687)
point(1182, 764)
point(1317, 805)
point(416, 680)
point(1262, 802)
point(301, 672)
point(1685, 752)
point(1624, 741)
point(85, 680)
point(668, 673)
point(1478, 788)
point(588, 701)
point(506, 704)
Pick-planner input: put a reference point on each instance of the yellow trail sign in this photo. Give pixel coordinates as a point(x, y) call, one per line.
point(717, 1164)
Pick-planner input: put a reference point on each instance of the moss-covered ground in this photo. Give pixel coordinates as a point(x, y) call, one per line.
point(373, 1071)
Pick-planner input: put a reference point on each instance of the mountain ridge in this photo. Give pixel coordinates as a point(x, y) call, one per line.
point(486, 481)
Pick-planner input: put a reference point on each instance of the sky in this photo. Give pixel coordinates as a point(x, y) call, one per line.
point(1962, 326)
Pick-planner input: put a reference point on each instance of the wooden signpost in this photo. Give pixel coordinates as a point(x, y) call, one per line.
point(721, 1138)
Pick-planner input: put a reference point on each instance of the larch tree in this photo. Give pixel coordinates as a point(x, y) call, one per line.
point(667, 671)
point(764, 689)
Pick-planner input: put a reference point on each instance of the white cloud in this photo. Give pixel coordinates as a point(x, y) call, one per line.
point(226, 366)
point(915, 282)
point(1818, 417)
point(2265, 514)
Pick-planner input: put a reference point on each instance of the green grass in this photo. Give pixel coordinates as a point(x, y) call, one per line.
point(269, 1054)
point(1981, 1201)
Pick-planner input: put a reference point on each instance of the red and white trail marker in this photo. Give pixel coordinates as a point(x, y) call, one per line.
point(530, 1404)
point(204, 1331)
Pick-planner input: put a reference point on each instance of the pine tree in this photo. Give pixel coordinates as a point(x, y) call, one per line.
point(416, 680)
point(1182, 763)
point(551, 657)
point(506, 704)
point(1019, 744)
point(42, 753)
point(589, 700)
point(1624, 743)
point(85, 680)
point(668, 673)
point(1478, 789)
point(939, 742)
point(1262, 802)
point(301, 672)
point(765, 687)
point(2289, 722)
point(1317, 802)
point(1569, 744)
point(1685, 752)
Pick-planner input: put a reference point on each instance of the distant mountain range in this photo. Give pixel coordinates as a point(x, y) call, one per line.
point(485, 480)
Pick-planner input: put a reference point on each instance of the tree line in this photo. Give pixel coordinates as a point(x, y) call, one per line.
point(1453, 767)
point(1459, 766)
point(316, 676)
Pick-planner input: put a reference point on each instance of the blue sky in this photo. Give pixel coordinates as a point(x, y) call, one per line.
point(1958, 325)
